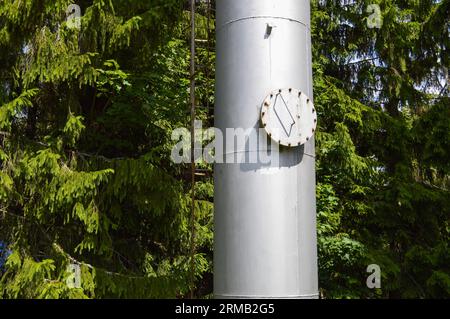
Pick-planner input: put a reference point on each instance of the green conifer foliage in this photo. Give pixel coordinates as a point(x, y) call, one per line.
point(86, 116)
point(383, 191)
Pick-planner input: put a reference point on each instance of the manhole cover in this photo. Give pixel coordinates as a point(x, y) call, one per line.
point(289, 117)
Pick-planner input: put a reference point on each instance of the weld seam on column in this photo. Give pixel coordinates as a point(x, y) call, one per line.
point(260, 151)
point(263, 17)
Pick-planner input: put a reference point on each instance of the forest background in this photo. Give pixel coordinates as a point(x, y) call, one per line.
point(86, 179)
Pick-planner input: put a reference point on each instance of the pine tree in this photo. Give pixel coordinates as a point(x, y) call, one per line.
point(86, 116)
point(383, 192)
point(86, 179)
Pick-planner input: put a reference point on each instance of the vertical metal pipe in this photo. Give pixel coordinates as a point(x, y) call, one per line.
point(193, 166)
point(265, 225)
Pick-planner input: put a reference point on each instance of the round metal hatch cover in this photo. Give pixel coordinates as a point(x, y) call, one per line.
point(289, 117)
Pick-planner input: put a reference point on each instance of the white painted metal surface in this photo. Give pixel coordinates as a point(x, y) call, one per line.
point(265, 226)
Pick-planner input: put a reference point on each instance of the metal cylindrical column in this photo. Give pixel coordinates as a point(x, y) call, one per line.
point(265, 224)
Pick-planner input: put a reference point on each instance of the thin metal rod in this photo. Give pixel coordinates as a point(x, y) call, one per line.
point(192, 100)
point(208, 26)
